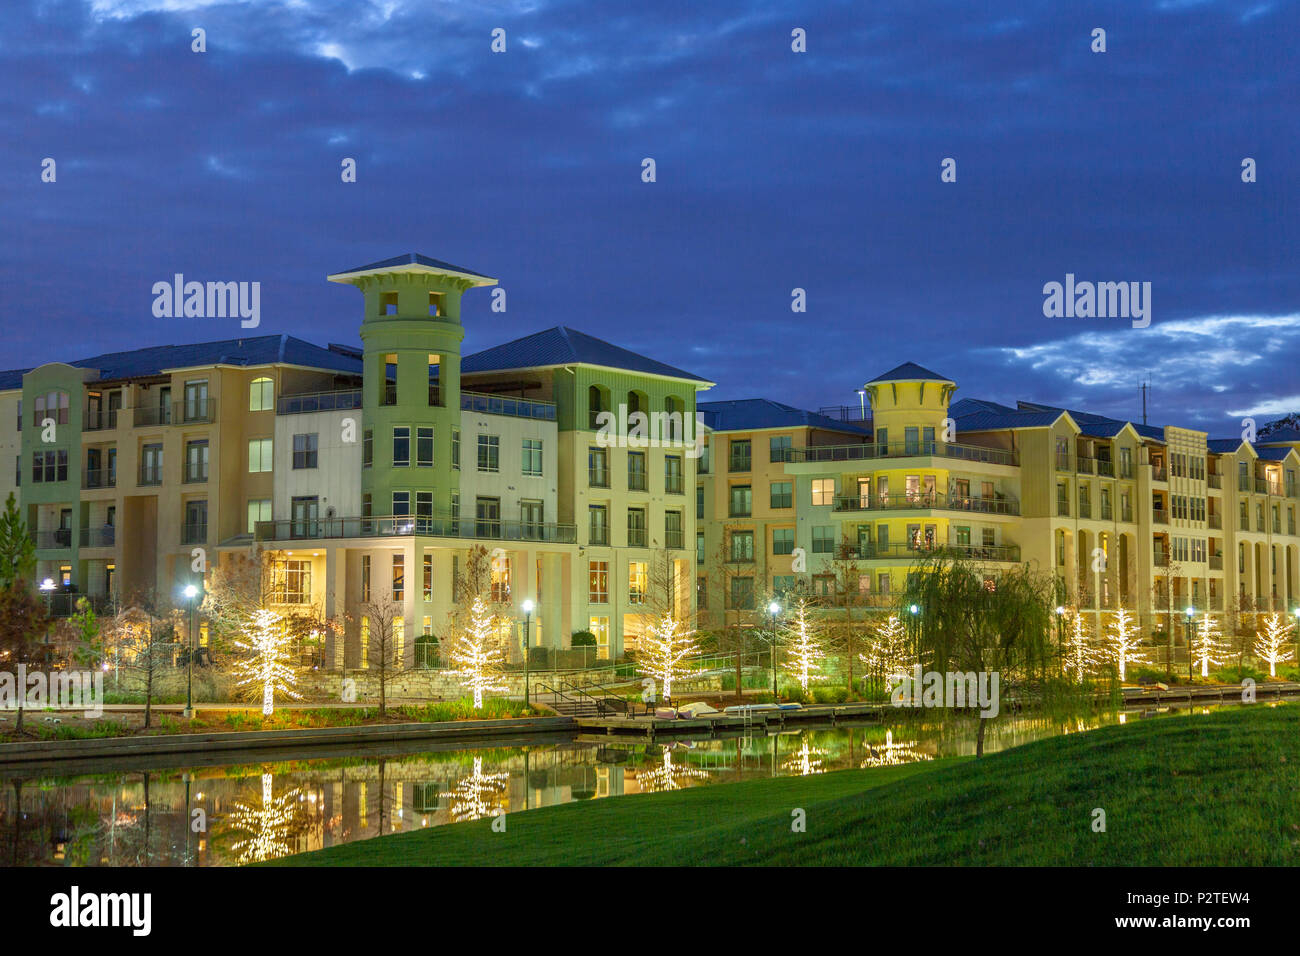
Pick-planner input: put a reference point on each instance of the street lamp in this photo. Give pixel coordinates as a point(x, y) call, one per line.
point(191, 592)
point(527, 606)
point(913, 609)
point(47, 588)
point(1190, 611)
point(773, 610)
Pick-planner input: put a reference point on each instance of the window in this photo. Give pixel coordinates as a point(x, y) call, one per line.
point(531, 518)
point(435, 365)
point(261, 395)
point(823, 491)
point(367, 448)
point(399, 577)
point(53, 466)
point(196, 522)
point(600, 627)
point(636, 476)
point(699, 547)
point(365, 578)
point(306, 511)
point(823, 539)
point(699, 502)
point(532, 457)
point(673, 484)
point(742, 501)
point(51, 405)
point(489, 453)
point(304, 451)
point(598, 516)
point(636, 536)
point(151, 464)
point(702, 592)
point(742, 594)
point(259, 455)
point(196, 460)
point(597, 468)
point(196, 401)
point(740, 454)
point(742, 546)
point(638, 582)
point(423, 512)
point(782, 494)
point(424, 447)
point(783, 540)
point(401, 446)
point(782, 584)
point(673, 537)
point(401, 504)
point(388, 392)
point(365, 640)
point(779, 448)
point(455, 449)
point(291, 582)
point(259, 509)
point(598, 582)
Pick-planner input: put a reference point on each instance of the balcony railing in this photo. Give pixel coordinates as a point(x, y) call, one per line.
point(149, 415)
point(740, 463)
point(1214, 521)
point(1085, 509)
point(99, 478)
point(150, 476)
point(307, 402)
point(104, 537)
point(1105, 468)
point(1126, 470)
point(104, 419)
point(904, 449)
point(194, 533)
point(1159, 473)
point(1265, 487)
point(1243, 483)
point(895, 552)
point(1062, 462)
point(1216, 562)
point(1214, 481)
point(636, 481)
point(514, 407)
point(920, 501)
point(52, 540)
point(673, 540)
point(1160, 516)
point(408, 525)
point(1085, 466)
point(636, 537)
point(1161, 559)
point(597, 477)
point(673, 484)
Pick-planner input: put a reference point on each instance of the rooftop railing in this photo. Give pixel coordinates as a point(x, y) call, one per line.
point(408, 525)
point(306, 402)
point(502, 405)
point(922, 501)
point(904, 449)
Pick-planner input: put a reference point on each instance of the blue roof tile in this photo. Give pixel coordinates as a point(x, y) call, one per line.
point(909, 372)
point(565, 346)
point(754, 413)
point(413, 259)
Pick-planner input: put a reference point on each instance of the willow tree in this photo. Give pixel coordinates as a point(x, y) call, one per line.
point(968, 621)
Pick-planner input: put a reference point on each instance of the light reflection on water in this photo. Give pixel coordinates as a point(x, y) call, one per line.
point(242, 813)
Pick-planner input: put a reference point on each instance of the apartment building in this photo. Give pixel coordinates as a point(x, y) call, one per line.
point(369, 473)
point(1123, 513)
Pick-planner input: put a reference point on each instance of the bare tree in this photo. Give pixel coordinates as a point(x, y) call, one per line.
point(386, 649)
point(143, 644)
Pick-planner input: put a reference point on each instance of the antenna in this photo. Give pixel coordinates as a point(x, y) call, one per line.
point(1145, 387)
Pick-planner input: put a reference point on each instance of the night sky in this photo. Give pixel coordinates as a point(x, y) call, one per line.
point(775, 170)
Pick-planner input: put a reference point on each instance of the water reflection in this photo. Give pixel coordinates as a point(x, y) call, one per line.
point(241, 813)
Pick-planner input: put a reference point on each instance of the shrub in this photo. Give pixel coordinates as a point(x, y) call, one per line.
point(583, 639)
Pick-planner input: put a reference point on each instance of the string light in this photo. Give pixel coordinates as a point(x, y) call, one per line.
point(892, 754)
point(1080, 656)
point(668, 776)
point(270, 826)
point(888, 653)
point(474, 653)
point(1206, 643)
point(667, 642)
point(1271, 643)
point(479, 795)
point(267, 663)
point(805, 650)
point(1121, 641)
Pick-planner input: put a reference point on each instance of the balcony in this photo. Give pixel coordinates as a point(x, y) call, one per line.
point(1214, 521)
point(1214, 481)
point(305, 403)
point(196, 411)
point(1216, 562)
point(1243, 483)
point(1126, 470)
point(104, 537)
point(1062, 462)
point(1160, 559)
point(896, 552)
point(398, 526)
point(1062, 508)
point(512, 407)
point(99, 478)
point(904, 449)
point(674, 540)
point(1159, 472)
point(922, 501)
point(1085, 510)
point(1265, 487)
point(104, 419)
point(1105, 468)
point(55, 540)
point(1160, 516)
point(1085, 466)
point(150, 415)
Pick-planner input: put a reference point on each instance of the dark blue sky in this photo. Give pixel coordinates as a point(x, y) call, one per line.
point(775, 170)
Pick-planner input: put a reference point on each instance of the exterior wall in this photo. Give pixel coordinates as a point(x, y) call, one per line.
point(336, 479)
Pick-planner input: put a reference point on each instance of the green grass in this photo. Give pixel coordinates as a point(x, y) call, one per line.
point(1221, 788)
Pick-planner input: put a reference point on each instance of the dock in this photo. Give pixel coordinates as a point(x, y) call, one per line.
point(721, 724)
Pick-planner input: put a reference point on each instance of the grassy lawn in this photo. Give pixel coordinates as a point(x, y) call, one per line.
point(1222, 788)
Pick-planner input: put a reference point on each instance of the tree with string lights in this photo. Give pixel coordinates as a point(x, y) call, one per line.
point(804, 645)
point(1080, 657)
point(1271, 642)
point(664, 647)
point(887, 652)
point(1122, 635)
point(264, 666)
point(474, 652)
point(1206, 643)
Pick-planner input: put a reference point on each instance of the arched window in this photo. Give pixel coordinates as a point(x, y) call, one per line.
point(674, 421)
point(261, 395)
point(597, 402)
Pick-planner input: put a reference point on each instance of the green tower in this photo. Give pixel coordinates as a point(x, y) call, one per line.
point(411, 336)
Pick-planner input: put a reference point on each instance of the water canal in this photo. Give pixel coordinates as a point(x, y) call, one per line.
point(240, 812)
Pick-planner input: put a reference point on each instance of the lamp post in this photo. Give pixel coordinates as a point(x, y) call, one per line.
point(773, 610)
point(190, 593)
point(47, 588)
point(527, 606)
point(1060, 635)
point(1190, 668)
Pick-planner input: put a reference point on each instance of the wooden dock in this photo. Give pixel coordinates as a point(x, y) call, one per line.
point(714, 725)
